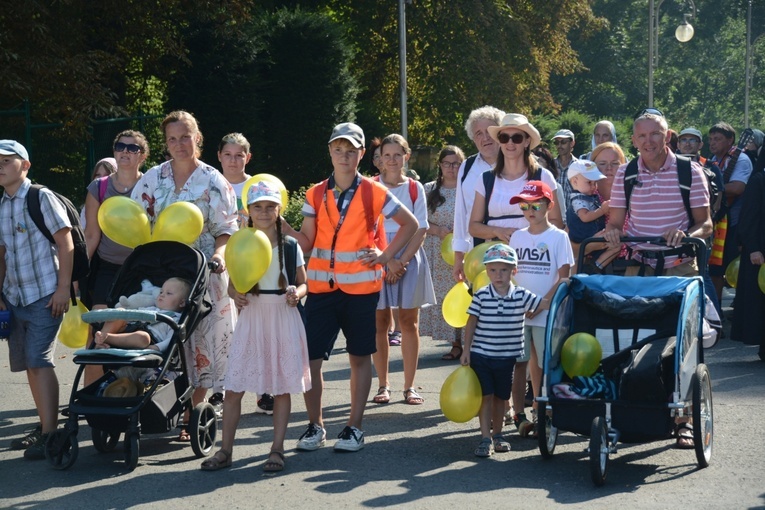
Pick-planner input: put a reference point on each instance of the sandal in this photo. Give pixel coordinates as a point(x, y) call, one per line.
point(394, 338)
point(383, 395)
point(500, 444)
point(184, 436)
point(684, 433)
point(454, 354)
point(274, 466)
point(214, 463)
point(413, 398)
point(485, 448)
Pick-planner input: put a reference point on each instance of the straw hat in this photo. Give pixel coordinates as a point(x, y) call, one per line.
point(122, 388)
point(517, 121)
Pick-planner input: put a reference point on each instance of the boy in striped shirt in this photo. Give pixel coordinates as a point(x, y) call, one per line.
point(494, 339)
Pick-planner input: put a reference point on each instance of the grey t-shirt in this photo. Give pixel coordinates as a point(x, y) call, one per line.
point(108, 250)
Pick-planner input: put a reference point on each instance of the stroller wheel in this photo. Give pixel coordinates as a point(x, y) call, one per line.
point(131, 450)
point(598, 450)
point(703, 417)
point(61, 448)
point(547, 434)
point(103, 440)
point(203, 427)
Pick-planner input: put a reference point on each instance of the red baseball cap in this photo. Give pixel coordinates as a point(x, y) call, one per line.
point(533, 190)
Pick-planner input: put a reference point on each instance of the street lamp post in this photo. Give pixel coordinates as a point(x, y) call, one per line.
point(683, 33)
point(402, 63)
point(748, 74)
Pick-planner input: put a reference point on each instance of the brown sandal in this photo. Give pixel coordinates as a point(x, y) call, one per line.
point(214, 463)
point(454, 354)
point(274, 466)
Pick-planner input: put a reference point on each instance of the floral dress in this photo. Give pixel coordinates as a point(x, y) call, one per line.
point(207, 346)
point(432, 321)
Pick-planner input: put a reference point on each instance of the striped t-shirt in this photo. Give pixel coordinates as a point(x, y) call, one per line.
point(656, 204)
point(499, 329)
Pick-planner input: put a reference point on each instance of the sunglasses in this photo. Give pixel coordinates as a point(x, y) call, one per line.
point(534, 206)
point(517, 138)
point(650, 111)
point(130, 147)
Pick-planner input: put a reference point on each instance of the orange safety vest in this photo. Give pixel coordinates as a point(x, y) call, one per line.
point(361, 230)
point(718, 242)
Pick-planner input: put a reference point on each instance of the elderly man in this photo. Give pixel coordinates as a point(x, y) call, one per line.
point(469, 174)
point(656, 207)
point(564, 143)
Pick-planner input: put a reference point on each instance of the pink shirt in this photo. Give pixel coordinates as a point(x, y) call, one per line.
point(656, 204)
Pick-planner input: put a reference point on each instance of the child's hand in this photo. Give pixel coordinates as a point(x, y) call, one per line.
point(291, 296)
point(240, 300)
point(465, 358)
point(605, 206)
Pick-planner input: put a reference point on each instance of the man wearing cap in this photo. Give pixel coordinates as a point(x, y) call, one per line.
point(35, 283)
point(722, 137)
point(564, 144)
point(477, 128)
point(345, 275)
point(656, 207)
point(689, 143)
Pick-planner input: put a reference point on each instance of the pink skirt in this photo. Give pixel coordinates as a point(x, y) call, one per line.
point(268, 352)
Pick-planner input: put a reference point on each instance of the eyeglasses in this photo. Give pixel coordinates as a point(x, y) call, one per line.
point(606, 164)
point(130, 147)
point(650, 111)
point(692, 139)
point(517, 138)
point(561, 141)
point(535, 206)
point(455, 165)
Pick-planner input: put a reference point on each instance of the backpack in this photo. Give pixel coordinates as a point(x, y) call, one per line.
point(468, 165)
point(488, 184)
point(412, 188)
point(684, 177)
point(80, 262)
point(290, 261)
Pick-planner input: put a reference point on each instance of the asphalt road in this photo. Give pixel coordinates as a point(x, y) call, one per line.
point(414, 457)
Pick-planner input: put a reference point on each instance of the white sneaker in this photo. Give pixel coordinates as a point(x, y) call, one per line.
point(312, 439)
point(350, 439)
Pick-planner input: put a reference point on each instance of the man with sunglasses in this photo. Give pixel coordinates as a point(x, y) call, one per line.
point(564, 143)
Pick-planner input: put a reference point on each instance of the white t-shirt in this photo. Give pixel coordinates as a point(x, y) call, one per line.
point(540, 257)
point(270, 280)
point(419, 208)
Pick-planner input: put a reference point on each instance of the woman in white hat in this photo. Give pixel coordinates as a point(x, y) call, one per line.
point(493, 217)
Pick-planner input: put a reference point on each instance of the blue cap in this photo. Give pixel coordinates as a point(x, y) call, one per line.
point(264, 190)
point(500, 253)
point(8, 147)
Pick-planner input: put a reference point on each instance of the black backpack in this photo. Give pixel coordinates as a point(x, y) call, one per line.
point(290, 261)
point(80, 262)
point(684, 177)
point(468, 165)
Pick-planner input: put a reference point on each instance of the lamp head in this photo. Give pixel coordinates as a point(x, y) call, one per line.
point(684, 32)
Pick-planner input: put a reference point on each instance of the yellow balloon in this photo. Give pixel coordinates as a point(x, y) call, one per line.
point(181, 221)
point(455, 305)
point(481, 280)
point(447, 253)
point(731, 272)
point(461, 395)
point(248, 255)
point(761, 278)
point(581, 355)
point(74, 332)
point(124, 221)
point(474, 260)
point(265, 177)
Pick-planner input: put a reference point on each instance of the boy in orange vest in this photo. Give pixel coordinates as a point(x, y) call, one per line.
point(345, 275)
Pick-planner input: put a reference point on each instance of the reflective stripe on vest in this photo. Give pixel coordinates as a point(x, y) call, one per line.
point(345, 279)
point(340, 256)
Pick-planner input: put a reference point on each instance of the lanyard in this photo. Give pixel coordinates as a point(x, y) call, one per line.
point(345, 203)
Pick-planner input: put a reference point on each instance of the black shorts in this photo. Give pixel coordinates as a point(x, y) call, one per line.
point(100, 282)
point(494, 374)
point(328, 313)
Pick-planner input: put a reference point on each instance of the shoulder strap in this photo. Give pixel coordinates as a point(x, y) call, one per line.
point(318, 193)
point(468, 165)
point(488, 184)
point(368, 203)
point(537, 175)
point(630, 178)
point(103, 183)
point(413, 190)
point(33, 207)
point(290, 259)
point(684, 182)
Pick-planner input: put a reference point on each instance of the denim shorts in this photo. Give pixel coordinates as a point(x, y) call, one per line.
point(326, 314)
point(494, 374)
point(33, 336)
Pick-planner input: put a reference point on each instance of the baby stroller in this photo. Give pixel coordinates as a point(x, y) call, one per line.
point(167, 391)
point(652, 369)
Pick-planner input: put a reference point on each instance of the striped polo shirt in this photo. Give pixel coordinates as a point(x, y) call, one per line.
point(499, 329)
point(656, 204)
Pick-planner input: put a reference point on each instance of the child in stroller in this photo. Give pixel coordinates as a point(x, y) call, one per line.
point(134, 335)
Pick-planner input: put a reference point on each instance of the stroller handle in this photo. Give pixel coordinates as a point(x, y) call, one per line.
point(700, 247)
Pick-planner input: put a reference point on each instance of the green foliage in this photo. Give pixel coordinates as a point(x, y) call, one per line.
point(292, 213)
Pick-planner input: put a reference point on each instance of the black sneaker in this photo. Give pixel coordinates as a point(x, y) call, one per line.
point(265, 404)
point(37, 450)
point(22, 443)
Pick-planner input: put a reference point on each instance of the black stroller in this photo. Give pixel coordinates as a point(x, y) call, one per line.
point(167, 392)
